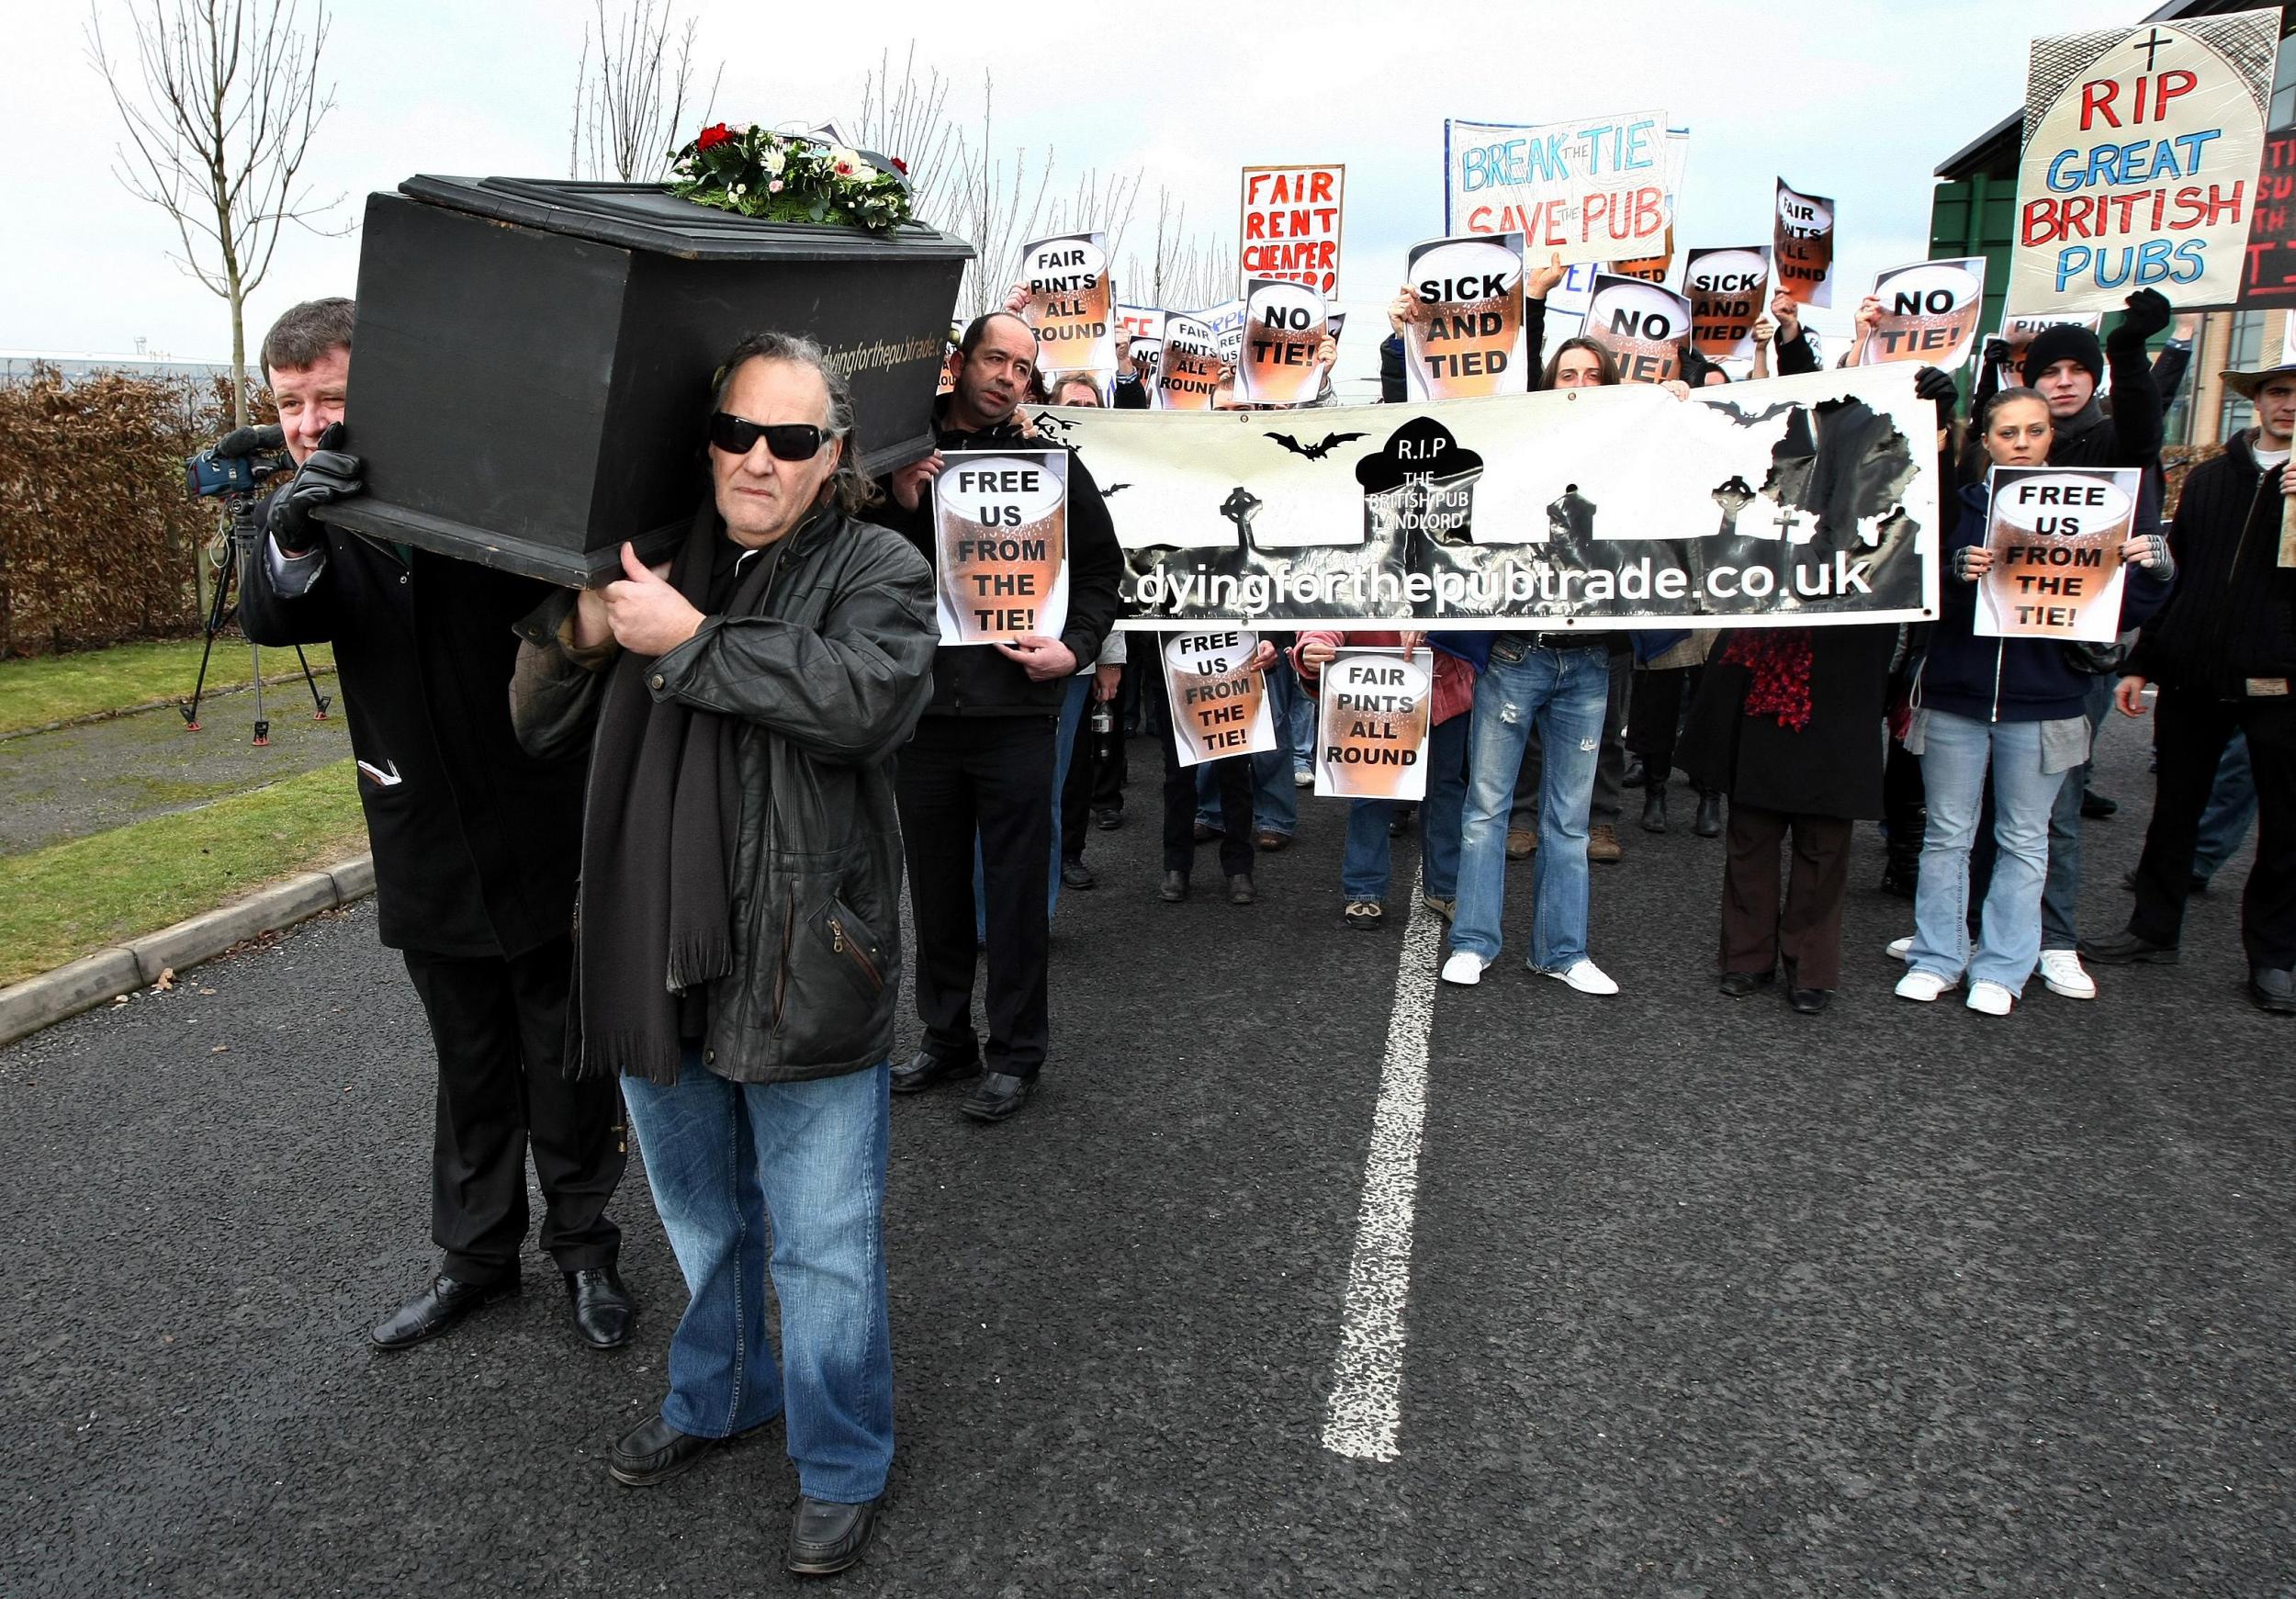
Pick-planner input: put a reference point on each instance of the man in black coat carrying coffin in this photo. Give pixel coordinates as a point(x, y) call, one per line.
point(475, 845)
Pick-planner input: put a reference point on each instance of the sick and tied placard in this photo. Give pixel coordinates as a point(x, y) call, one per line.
point(2055, 534)
point(1218, 701)
point(1000, 520)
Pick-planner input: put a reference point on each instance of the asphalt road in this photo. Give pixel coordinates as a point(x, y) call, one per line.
point(1705, 1297)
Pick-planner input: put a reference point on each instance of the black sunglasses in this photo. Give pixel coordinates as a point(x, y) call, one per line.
point(787, 441)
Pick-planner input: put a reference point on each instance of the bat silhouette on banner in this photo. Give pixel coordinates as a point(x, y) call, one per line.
point(1314, 452)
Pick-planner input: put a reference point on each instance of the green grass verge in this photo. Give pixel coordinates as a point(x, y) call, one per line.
point(70, 900)
point(64, 688)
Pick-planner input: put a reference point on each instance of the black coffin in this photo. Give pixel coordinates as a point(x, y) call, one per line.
point(532, 358)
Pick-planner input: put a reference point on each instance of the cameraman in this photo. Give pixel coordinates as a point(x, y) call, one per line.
point(476, 846)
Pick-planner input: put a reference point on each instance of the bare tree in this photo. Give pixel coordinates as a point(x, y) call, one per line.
point(1182, 271)
point(910, 120)
point(996, 211)
point(221, 105)
point(629, 113)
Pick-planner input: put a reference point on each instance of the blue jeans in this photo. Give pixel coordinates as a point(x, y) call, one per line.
point(1072, 718)
point(1275, 796)
point(724, 1159)
point(1954, 759)
point(1564, 691)
point(1363, 871)
point(1302, 726)
point(2230, 811)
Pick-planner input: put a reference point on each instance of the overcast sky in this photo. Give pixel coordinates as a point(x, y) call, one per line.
point(1856, 100)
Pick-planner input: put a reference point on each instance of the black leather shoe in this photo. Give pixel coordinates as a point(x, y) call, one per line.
point(603, 1310)
point(1076, 875)
point(1899, 879)
point(926, 1068)
point(1175, 887)
point(1809, 1001)
point(825, 1537)
point(2097, 807)
point(1634, 775)
point(1205, 832)
point(1709, 822)
point(653, 1451)
point(2273, 991)
point(1654, 809)
point(1739, 985)
point(1239, 889)
point(2125, 949)
point(996, 1096)
point(1107, 818)
point(436, 1309)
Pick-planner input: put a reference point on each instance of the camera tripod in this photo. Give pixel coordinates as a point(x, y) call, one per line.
point(238, 538)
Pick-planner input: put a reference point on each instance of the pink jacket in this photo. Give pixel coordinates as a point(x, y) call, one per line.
point(1454, 678)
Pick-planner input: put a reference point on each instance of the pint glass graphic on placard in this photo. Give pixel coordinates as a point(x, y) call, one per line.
point(1218, 704)
point(1930, 313)
point(1465, 335)
point(1071, 303)
point(1726, 293)
point(1001, 524)
point(1641, 325)
point(1803, 247)
point(1189, 373)
point(1283, 329)
point(2056, 535)
point(1371, 726)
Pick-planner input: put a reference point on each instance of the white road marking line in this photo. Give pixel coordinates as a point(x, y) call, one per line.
point(1365, 1409)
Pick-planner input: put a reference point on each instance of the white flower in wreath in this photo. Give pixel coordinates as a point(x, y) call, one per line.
point(847, 163)
point(774, 161)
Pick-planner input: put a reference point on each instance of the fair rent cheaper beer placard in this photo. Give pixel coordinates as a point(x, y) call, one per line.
point(2055, 534)
point(1219, 702)
point(1290, 225)
point(1000, 521)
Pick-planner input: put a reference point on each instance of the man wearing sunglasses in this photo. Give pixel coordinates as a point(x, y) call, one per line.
point(476, 846)
point(982, 760)
point(739, 946)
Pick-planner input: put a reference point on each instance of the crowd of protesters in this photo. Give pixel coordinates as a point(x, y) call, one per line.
point(659, 833)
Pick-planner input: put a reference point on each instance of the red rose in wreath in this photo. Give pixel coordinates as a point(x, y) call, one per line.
point(716, 134)
point(901, 166)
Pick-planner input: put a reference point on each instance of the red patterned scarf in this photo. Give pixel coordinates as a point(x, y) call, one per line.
point(1778, 660)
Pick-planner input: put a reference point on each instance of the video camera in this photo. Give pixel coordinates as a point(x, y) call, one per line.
point(238, 462)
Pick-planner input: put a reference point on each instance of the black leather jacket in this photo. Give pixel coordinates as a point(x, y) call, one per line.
point(829, 679)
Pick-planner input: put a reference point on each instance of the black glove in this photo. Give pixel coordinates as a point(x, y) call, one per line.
point(1938, 390)
point(1997, 353)
point(328, 476)
point(2147, 314)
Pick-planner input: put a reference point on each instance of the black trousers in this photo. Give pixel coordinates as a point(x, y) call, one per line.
point(2189, 736)
point(1234, 775)
point(1654, 717)
point(1807, 930)
point(989, 776)
point(1078, 790)
point(1904, 808)
point(500, 1027)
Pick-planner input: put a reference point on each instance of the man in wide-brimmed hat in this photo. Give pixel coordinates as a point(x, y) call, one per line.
point(2223, 652)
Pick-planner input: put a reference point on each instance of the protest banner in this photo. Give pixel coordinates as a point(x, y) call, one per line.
point(2141, 157)
point(1465, 332)
point(1592, 189)
point(1226, 322)
point(1373, 711)
point(1725, 289)
point(1289, 224)
point(1000, 523)
point(1930, 313)
point(1657, 266)
point(2055, 534)
point(1187, 371)
point(1810, 500)
point(1283, 334)
point(1218, 703)
point(2270, 278)
point(1641, 325)
point(1072, 305)
point(1802, 247)
point(1145, 324)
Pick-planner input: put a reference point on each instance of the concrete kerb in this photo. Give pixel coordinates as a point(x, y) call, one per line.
point(41, 1001)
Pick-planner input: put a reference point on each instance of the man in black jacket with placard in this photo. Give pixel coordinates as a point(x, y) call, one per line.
point(476, 845)
point(981, 765)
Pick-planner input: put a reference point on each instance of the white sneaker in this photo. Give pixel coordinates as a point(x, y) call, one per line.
point(1464, 968)
point(1922, 986)
point(2061, 973)
point(1586, 977)
point(1901, 949)
point(1303, 778)
point(1990, 999)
